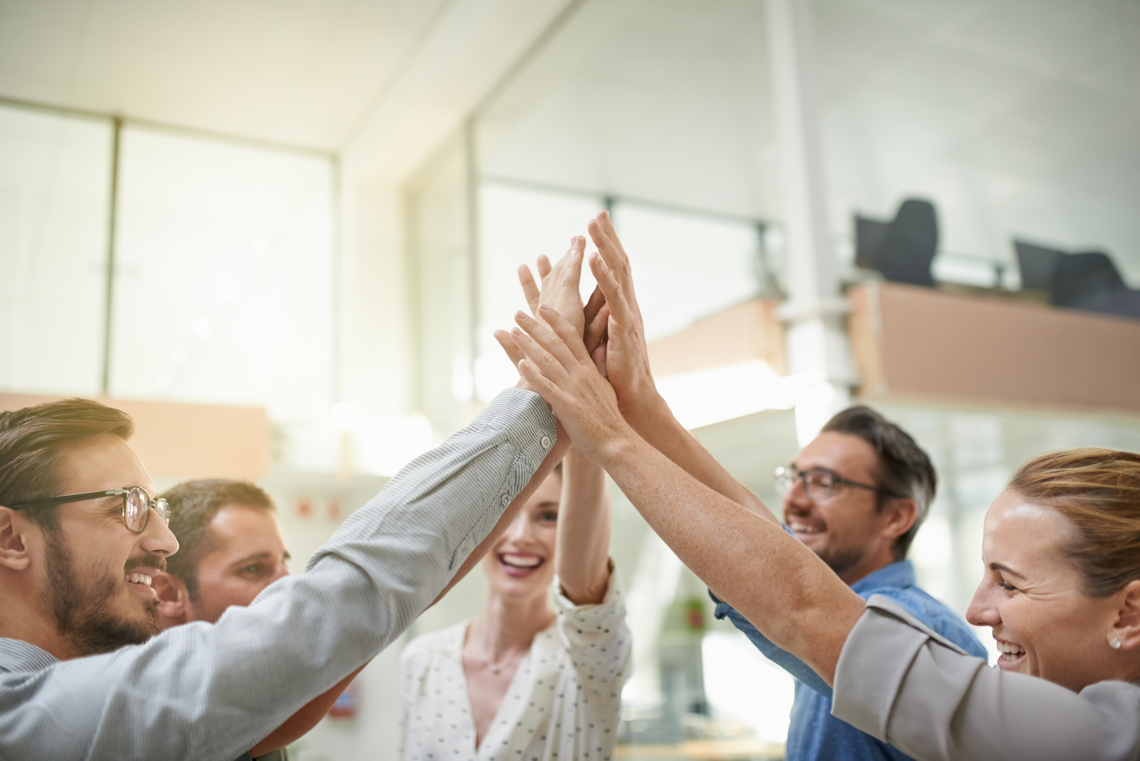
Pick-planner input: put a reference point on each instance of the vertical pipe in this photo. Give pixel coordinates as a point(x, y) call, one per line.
point(817, 342)
point(337, 348)
point(113, 214)
point(470, 148)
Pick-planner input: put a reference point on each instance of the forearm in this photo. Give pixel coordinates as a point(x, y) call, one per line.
point(655, 422)
point(770, 578)
point(584, 525)
point(557, 452)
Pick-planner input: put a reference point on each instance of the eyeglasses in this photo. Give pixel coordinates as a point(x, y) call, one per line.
point(819, 484)
point(137, 505)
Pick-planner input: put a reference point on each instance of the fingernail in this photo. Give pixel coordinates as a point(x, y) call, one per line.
point(517, 331)
point(521, 315)
point(544, 307)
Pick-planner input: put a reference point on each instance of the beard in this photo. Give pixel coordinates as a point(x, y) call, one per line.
point(843, 560)
point(83, 605)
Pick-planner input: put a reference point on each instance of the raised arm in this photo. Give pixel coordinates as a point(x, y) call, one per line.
point(627, 369)
point(584, 522)
point(773, 580)
point(584, 518)
point(304, 633)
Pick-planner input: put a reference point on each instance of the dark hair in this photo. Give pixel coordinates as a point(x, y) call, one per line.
point(193, 504)
point(1098, 490)
point(32, 440)
point(904, 468)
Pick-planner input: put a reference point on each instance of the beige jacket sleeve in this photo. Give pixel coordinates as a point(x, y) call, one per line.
point(903, 684)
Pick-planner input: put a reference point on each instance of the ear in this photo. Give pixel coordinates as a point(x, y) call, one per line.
point(173, 600)
point(900, 513)
point(14, 553)
point(1126, 628)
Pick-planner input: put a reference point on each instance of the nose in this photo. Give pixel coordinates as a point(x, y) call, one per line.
point(982, 611)
point(157, 538)
point(796, 497)
point(520, 528)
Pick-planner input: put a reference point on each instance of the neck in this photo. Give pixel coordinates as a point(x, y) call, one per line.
point(867, 567)
point(509, 625)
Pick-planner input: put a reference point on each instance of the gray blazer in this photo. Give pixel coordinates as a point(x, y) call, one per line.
point(902, 683)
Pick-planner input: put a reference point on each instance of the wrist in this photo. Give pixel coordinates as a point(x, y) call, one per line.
point(618, 448)
point(647, 408)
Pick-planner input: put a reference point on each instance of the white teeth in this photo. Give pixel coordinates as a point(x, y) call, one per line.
point(803, 528)
point(1009, 649)
point(520, 561)
point(139, 578)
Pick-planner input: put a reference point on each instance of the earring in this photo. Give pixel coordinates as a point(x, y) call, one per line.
point(1114, 643)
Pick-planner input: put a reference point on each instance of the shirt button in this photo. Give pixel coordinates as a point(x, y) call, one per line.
point(506, 500)
point(545, 442)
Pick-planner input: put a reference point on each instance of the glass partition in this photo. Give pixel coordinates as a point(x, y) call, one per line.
point(54, 211)
point(224, 281)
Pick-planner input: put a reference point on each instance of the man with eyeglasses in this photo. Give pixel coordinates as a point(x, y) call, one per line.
point(84, 672)
point(855, 496)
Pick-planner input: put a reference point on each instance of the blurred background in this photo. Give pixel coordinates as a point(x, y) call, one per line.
point(280, 235)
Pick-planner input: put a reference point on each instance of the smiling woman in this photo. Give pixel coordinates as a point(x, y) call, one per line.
point(1062, 578)
point(503, 685)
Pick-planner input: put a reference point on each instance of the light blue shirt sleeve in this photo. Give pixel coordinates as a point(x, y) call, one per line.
point(203, 691)
point(782, 658)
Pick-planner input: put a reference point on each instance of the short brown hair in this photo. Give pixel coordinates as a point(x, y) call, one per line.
point(193, 504)
point(31, 441)
point(1098, 490)
point(904, 468)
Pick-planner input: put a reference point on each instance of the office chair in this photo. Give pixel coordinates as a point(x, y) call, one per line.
point(909, 244)
point(869, 234)
point(1037, 264)
point(1090, 281)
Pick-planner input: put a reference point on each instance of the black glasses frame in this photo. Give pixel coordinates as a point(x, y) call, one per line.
point(159, 506)
point(791, 474)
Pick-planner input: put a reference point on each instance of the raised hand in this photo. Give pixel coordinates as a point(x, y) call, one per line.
point(560, 291)
point(557, 366)
point(626, 355)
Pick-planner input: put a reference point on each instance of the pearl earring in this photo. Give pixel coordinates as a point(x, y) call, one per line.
point(1114, 643)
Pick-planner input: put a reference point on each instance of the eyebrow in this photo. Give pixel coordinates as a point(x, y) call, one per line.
point(252, 558)
point(1005, 569)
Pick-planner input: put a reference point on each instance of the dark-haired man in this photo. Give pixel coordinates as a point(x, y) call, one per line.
point(230, 548)
point(855, 496)
point(82, 674)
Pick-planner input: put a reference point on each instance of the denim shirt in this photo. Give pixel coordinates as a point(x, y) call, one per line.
point(814, 733)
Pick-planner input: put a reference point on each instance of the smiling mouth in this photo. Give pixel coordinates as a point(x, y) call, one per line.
point(1010, 653)
point(518, 564)
point(800, 527)
point(139, 578)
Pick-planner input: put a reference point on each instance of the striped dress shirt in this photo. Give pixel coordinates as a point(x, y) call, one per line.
point(212, 691)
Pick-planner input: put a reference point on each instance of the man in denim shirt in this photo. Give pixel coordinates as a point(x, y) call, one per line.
point(855, 496)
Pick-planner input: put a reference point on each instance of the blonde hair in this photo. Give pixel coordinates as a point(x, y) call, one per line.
point(1098, 490)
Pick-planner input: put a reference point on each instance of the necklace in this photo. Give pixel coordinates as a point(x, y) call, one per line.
point(495, 668)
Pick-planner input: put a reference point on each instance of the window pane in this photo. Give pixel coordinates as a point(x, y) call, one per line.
point(516, 225)
point(223, 291)
point(54, 196)
point(686, 266)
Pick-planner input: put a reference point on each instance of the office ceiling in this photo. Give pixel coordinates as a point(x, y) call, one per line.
point(302, 72)
point(1017, 117)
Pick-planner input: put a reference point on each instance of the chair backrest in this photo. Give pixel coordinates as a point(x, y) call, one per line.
point(1085, 280)
point(909, 244)
point(1037, 264)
